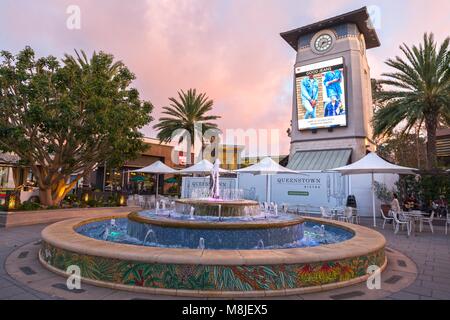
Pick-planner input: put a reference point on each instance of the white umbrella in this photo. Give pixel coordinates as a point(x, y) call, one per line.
point(201, 167)
point(266, 167)
point(157, 168)
point(372, 164)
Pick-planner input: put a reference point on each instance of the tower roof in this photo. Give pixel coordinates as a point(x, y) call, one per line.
point(359, 17)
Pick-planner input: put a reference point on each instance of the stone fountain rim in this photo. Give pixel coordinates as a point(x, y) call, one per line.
point(216, 225)
point(63, 235)
point(210, 202)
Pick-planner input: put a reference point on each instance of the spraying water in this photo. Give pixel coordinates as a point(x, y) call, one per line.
point(151, 236)
point(192, 214)
point(201, 244)
point(106, 233)
point(260, 244)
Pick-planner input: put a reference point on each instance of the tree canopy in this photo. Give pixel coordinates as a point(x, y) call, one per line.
point(189, 109)
point(65, 117)
point(418, 93)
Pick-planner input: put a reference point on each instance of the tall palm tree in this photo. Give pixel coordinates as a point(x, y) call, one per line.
point(189, 110)
point(419, 94)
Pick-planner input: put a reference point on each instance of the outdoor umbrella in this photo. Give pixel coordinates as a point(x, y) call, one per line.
point(157, 168)
point(201, 167)
point(266, 167)
point(372, 164)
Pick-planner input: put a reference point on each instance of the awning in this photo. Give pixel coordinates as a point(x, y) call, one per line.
point(320, 160)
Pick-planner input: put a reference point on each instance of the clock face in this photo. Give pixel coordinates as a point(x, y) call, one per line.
point(323, 42)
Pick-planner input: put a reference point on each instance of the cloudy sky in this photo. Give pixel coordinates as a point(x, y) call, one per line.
point(230, 49)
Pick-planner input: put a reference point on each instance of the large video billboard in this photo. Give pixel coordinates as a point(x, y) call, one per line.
point(320, 91)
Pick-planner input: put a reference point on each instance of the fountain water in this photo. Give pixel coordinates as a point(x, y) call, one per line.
point(151, 236)
point(192, 214)
point(106, 233)
point(260, 245)
point(201, 244)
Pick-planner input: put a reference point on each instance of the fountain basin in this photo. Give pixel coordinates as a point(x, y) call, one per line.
point(210, 207)
point(213, 273)
point(217, 234)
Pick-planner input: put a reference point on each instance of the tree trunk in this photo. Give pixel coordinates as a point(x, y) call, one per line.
point(431, 125)
point(53, 195)
point(45, 196)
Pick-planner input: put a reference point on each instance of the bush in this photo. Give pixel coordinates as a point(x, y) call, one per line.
point(427, 188)
point(29, 206)
point(382, 193)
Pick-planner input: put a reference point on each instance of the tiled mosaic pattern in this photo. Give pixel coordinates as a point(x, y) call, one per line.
point(224, 278)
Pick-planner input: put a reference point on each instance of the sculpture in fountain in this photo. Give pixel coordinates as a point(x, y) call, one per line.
point(214, 180)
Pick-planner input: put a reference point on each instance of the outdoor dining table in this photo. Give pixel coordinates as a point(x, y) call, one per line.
point(337, 212)
point(414, 217)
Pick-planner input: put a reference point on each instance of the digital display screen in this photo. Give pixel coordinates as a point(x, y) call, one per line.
point(320, 89)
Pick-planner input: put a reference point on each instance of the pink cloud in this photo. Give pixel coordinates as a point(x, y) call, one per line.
point(229, 49)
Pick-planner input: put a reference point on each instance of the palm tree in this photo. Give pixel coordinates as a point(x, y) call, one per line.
point(189, 110)
point(420, 93)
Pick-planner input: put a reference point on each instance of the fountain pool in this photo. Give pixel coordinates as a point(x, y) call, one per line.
point(213, 248)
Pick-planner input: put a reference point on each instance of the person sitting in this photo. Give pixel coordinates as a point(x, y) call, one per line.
point(441, 206)
point(395, 205)
point(410, 203)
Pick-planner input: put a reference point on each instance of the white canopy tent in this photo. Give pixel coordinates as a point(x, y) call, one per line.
point(266, 167)
point(372, 164)
point(157, 168)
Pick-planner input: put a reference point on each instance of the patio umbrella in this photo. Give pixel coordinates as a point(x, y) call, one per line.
point(372, 164)
point(266, 167)
point(201, 167)
point(157, 168)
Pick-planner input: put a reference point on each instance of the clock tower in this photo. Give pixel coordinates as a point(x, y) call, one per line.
point(332, 98)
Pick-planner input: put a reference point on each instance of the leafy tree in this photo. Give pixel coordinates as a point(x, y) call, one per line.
point(419, 94)
point(184, 113)
point(407, 150)
point(65, 118)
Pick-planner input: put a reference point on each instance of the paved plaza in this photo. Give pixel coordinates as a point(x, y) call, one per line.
point(419, 268)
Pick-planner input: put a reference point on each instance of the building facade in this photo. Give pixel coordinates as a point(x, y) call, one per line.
point(332, 98)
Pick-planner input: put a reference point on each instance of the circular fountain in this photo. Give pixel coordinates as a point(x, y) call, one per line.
point(213, 248)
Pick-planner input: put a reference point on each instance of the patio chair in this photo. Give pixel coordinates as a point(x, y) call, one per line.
point(385, 219)
point(326, 214)
point(347, 216)
point(355, 216)
point(447, 223)
point(143, 203)
point(428, 220)
point(401, 222)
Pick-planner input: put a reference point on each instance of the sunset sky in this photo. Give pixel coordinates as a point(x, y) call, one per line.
point(229, 49)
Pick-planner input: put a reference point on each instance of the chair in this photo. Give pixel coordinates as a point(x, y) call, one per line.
point(143, 203)
point(401, 222)
point(428, 220)
point(355, 215)
point(387, 219)
point(347, 216)
point(447, 223)
point(326, 214)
